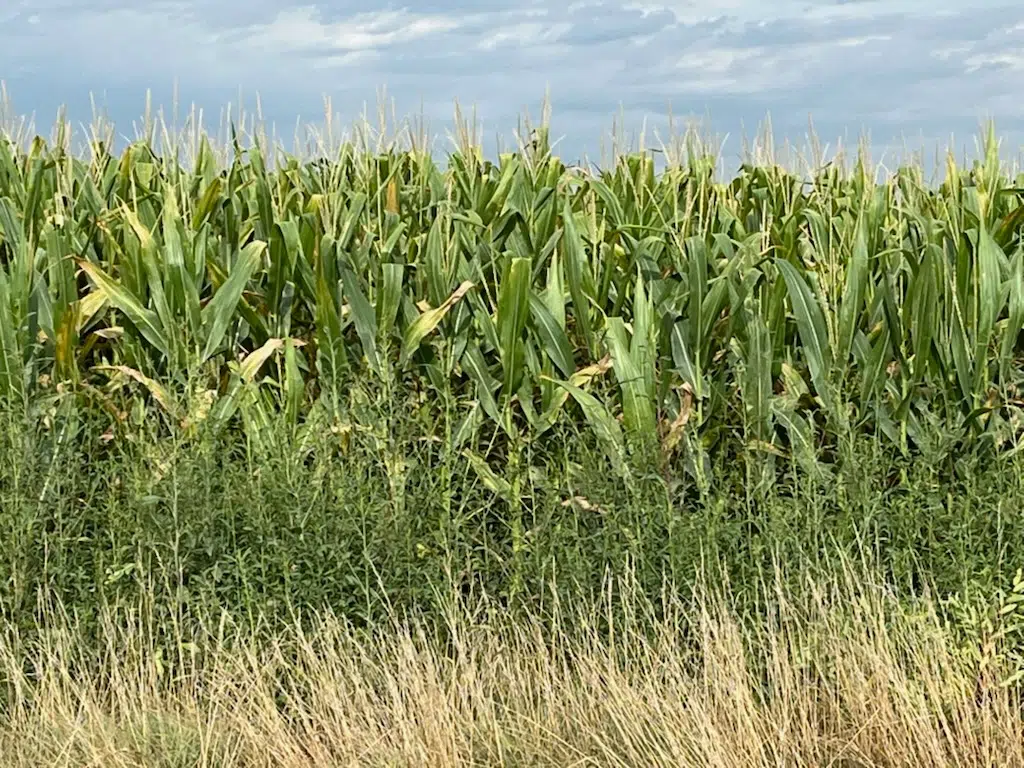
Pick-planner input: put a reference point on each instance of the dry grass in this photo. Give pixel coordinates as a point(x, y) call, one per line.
point(847, 675)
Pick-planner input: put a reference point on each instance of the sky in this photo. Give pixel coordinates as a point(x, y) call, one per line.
point(917, 73)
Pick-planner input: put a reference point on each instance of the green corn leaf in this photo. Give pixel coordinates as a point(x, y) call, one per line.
point(601, 421)
point(330, 343)
point(892, 315)
point(145, 320)
point(12, 233)
point(991, 299)
point(285, 253)
point(873, 359)
point(219, 312)
point(469, 426)
point(857, 272)
point(211, 198)
point(435, 269)
point(683, 359)
point(155, 279)
point(757, 379)
point(11, 364)
point(363, 316)
point(552, 336)
point(428, 321)
point(261, 187)
point(962, 358)
point(185, 295)
point(474, 364)
point(495, 484)
point(798, 431)
point(488, 330)
point(389, 299)
point(513, 311)
point(1015, 321)
point(350, 219)
point(923, 312)
point(637, 405)
point(698, 315)
point(811, 324)
point(578, 275)
point(643, 346)
point(554, 292)
point(294, 386)
point(580, 378)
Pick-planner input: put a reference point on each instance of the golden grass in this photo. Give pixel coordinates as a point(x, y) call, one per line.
point(846, 675)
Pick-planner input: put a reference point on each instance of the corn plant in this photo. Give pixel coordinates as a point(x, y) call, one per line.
point(771, 316)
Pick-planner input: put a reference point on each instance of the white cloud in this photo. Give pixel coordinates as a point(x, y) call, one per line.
point(1007, 59)
point(754, 11)
point(299, 29)
point(525, 34)
point(760, 69)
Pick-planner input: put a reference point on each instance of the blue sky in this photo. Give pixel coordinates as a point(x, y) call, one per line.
point(924, 69)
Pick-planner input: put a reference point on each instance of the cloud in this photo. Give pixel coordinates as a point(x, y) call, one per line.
point(304, 30)
point(524, 34)
point(889, 66)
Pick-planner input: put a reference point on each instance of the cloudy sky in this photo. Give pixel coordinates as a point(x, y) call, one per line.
point(921, 69)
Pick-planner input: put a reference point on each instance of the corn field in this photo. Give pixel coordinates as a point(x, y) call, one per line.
point(770, 316)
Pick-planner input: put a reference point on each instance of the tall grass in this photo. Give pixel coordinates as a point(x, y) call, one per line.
point(846, 673)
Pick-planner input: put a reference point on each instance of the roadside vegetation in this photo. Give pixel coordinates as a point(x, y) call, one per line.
point(355, 457)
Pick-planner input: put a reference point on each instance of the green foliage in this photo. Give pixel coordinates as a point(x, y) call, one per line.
point(368, 513)
point(792, 315)
point(990, 629)
point(273, 384)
